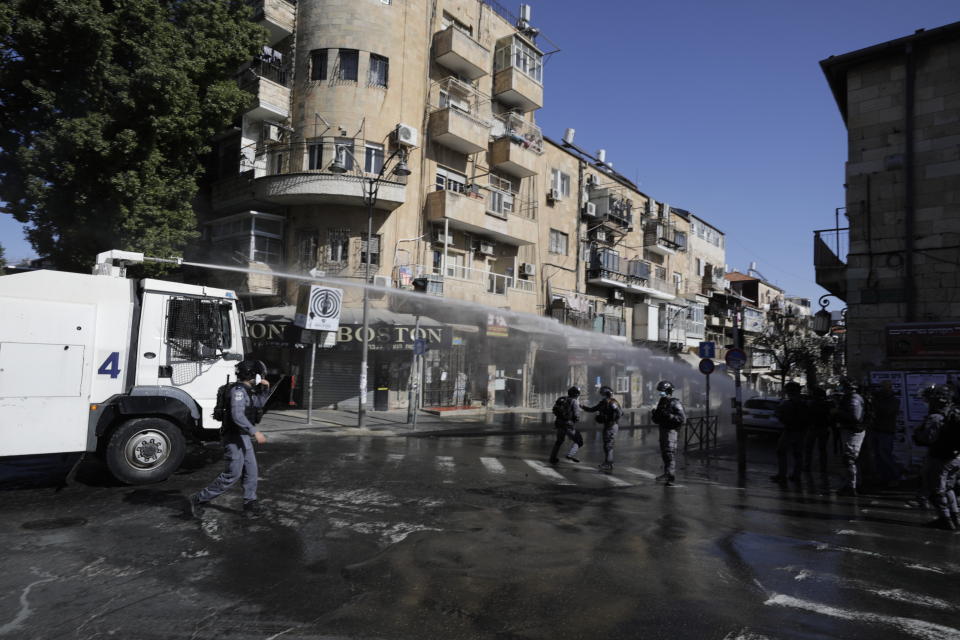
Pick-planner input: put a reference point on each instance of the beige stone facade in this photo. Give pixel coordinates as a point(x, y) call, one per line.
point(491, 211)
point(901, 104)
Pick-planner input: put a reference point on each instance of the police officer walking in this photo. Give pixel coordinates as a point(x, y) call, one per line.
point(821, 418)
point(567, 412)
point(940, 431)
point(669, 416)
point(794, 414)
point(238, 431)
point(850, 420)
point(608, 414)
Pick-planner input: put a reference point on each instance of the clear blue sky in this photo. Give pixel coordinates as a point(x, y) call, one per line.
point(716, 107)
point(720, 107)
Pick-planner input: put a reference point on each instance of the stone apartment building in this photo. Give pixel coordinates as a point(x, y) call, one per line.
point(894, 264)
point(433, 104)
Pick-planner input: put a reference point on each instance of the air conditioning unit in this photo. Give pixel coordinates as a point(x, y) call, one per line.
point(601, 235)
point(592, 180)
point(527, 269)
point(382, 282)
point(483, 246)
point(590, 210)
point(616, 294)
point(440, 237)
point(272, 133)
point(405, 135)
point(553, 195)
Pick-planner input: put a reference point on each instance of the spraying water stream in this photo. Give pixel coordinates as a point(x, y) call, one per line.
point(576, 356)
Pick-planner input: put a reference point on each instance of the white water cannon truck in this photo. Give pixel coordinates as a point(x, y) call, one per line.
point(124, 368)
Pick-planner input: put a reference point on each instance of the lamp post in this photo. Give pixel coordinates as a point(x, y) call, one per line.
point(370, 189)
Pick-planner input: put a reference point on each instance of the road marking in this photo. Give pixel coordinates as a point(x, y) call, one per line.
point(445, 465)
point(899, 595)
point(640, 472)
point(395, 458)
point(546, 471)
point(918, 628)
point(615, 481)
point(493, 465)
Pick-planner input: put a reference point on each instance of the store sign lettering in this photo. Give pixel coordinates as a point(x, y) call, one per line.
point(399, 335)
point(264, 331)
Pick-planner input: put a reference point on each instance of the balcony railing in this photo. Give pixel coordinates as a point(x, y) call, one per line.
point(830, 247)
point(495, 283)
point(269, 159)
point(261, 68)
point(610, 325)
point(520, 131)
point(573, 318)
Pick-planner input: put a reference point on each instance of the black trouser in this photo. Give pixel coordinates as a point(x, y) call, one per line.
point(565, 431)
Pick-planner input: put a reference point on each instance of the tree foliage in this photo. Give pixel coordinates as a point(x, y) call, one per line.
point(3, 261)
point(109, 106)
point(794, 348)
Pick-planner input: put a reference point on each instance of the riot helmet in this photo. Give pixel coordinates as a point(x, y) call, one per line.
point(936, 394)
point(250, 369)
point(574, 391)
point(665, 387)
point(606, 391)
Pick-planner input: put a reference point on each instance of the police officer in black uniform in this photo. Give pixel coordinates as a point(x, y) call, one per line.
point(608, 414)
point(669, 416)
point(566, 419)
point(237, 434)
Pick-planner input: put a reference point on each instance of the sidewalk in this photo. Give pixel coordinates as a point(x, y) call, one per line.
point(343, 422)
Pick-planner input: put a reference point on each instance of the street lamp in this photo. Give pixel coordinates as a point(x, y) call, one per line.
point(821, 319)
point(370, 189)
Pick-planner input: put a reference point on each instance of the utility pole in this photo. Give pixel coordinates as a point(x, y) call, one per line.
point(741, 436)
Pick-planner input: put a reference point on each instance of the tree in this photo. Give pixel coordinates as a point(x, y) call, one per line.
point(3, 261)
point(794, 349)
point(109, 106)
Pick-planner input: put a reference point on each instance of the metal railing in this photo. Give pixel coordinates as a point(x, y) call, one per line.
point(462, 99)
point(495, 283)
point(269, 159)
point(830, 247)
point(260, 68)
point(521, 132)
point(701, 431)
point(573, 318)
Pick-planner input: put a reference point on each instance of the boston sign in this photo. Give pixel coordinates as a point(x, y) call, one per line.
point(349, 337)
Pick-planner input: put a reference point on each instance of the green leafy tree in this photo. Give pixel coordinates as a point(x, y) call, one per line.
point(109, 106)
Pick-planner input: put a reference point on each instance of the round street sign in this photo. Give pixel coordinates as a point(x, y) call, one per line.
point(735, 358)
point(707, 366)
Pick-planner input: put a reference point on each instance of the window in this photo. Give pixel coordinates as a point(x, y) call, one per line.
point(307, 244)
point(318, 64)
point(338, 245)
point(345, 155)
point(701, 267)
point(349, 62)
point(622, 384)
point(314, 156)
point(267, 250)
point(660, 273)
point(522, 56)
point(561, 182)
point(558, 242)
point(374, 249)
point(278, 162)
point(450, 180)
point(456, 264)
point(197, 328)
point(678, 281)
point(453, 100)
point(379, 71)
point(373, 158)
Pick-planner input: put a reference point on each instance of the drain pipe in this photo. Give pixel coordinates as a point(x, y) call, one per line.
point(908, 186)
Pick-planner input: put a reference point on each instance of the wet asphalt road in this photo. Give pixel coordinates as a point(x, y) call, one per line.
point(473, 537)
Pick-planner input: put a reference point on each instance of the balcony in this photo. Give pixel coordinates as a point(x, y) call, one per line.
point(469, 212)
point(517, 146)
point(276, 16)
point(496, 290)
point(829, 266)
point(613, 326)
point(294, 174)
point(457, 51)
point(663, 238)
point(269, 83)
point(458, 121)
point(518, 76)
point(636, 279)
point(572, 317)
point(613, 209)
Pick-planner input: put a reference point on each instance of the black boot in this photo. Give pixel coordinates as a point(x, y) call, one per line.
point(942, 522)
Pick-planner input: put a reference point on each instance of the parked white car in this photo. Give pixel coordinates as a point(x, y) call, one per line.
point(758, 415)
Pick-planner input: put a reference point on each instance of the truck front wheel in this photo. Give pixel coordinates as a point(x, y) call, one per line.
point(145, 450)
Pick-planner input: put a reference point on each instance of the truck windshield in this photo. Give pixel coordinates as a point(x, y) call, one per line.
point(197, 328)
